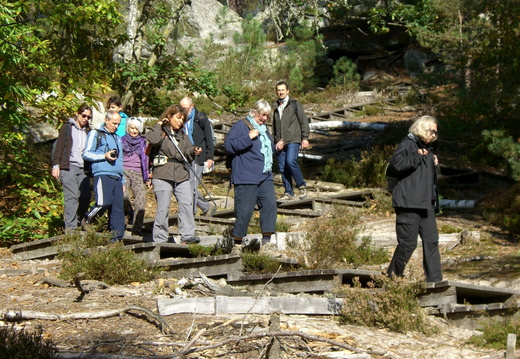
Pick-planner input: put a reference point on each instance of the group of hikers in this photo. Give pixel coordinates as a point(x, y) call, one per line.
point(171, 156)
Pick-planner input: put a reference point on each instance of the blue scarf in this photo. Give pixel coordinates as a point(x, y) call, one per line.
point(266, 150)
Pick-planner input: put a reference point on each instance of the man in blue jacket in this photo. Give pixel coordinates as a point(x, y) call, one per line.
point(104, 150)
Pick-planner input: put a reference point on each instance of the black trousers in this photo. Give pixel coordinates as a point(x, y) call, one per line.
point(410, 224)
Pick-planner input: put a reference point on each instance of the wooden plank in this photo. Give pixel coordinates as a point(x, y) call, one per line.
point(220, 266)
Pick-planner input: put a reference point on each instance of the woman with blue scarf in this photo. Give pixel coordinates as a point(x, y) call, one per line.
point(251, 145)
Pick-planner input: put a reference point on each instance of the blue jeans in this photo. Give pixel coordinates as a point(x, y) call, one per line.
point(288, 164)
point(249, 195)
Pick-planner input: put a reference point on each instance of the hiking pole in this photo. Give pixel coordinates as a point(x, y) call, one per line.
point(227, 195)
point(188, 166)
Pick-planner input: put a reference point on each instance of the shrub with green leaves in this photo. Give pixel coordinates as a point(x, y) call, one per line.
point(335, 239)
point(494, 333)
point(20, 344)
point(386, 303)
point(111, 264)
point(261, 263)
point(369, 171)
point(503, 209)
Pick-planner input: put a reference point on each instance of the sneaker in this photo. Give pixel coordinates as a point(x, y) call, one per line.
point(87, 227)
point(250, 245)
point(190, 240)
point(303, 192)
point(211, 211)
point(286, 197)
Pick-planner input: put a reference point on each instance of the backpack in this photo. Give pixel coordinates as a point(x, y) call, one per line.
point(229, 156)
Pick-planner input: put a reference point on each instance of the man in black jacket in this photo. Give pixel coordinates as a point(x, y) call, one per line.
point(415, 199)
point(200, 132)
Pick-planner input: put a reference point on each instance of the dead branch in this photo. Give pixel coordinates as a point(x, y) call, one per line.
point(187, 347)
point(15, 315)
point(54, 282)
point(282, 334)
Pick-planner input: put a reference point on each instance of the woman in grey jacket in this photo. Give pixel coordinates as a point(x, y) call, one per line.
point(415, 199)
point(170, 175)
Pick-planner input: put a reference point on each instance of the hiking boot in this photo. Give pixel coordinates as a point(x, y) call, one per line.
point(190, 240)
point(250, 245)
point(286, 197)
point(87, 227)
point(211, 211)
point(303, 192)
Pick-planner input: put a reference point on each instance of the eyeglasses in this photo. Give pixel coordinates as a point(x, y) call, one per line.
point(86, 116)
point(433, 132)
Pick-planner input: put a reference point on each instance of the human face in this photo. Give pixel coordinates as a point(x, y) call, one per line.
point(432, 134)
point(261, 118)
point(176, 121)
point(132, 130)
point(112, 124)
point(83, 118)
point(115, 107)
point(187, 107)
point(282, 91)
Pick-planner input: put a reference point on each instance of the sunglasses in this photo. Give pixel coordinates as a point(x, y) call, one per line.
point(86, 116)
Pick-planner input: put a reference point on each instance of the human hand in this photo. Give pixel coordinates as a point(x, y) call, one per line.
point(305, 144)
point(435, 160)
point(210, 163)
point(253, 134)
point(56, 173)
point(279, 145)
point(423, 151)
point(197, 151)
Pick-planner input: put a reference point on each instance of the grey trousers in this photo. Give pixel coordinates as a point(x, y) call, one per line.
point(163, 193)
point(411, 223)
point(198, 199)
point(76, 195)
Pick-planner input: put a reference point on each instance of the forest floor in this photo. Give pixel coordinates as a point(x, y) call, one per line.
point(494, 260)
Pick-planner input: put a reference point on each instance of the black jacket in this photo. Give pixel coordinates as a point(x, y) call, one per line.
point(417, 186)
point(202, 136)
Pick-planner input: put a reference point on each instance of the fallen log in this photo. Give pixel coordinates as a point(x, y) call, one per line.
point(17, 315)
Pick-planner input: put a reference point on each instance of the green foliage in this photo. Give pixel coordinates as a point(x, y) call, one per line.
point(334, 239)
point(387, 303)
point(345, 74)
point(111, 263)
point(261, 263)
point(32, 207)
point(504, 146)
point(503, 209)
point(369, 171)
point(20, 344)
point(198, 251)
point(303, 52)
point(494, 333)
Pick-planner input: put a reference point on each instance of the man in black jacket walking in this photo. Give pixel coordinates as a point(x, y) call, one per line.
point(199, 130)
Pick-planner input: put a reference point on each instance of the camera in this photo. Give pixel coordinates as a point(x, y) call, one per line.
point(114, 153)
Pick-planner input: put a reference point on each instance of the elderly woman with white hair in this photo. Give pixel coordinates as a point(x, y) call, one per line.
point(135, 164)
point(251, 145)
point(415, 199)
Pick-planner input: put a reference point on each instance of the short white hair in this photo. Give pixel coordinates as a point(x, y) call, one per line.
point(136, 121)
